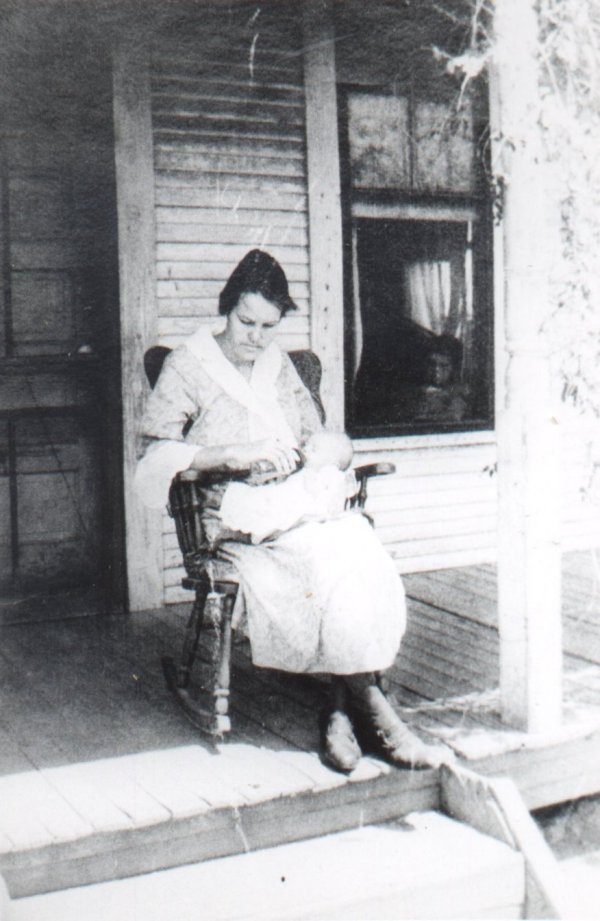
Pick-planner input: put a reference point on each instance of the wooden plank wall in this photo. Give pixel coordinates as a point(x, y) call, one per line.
point(228, 118)
point(439, 509)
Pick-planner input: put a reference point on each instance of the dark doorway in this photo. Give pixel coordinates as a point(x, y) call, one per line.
point(60, 518)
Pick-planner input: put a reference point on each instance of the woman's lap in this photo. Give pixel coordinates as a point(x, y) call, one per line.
point(323, 597)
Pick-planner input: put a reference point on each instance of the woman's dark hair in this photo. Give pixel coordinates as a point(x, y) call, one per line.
point(257, 273)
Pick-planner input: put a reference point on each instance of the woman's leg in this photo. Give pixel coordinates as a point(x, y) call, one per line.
point(377, 722)
point(340, 748)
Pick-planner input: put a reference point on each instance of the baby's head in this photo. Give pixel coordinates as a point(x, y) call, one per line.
point(325, 449)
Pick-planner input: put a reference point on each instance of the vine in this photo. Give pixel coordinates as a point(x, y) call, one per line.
point(569, 51)
point(568, 58)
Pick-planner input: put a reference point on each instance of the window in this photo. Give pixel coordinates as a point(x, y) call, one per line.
point(417, 267)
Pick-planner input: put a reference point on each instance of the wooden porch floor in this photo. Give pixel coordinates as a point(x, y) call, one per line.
point(102, 777)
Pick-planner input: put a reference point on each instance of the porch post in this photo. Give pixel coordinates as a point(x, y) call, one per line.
point(529, 557)
point(324, 201)
point(135, 215)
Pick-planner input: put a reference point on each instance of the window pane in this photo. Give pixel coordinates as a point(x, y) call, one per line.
point(378, 132)
point(444, 152)
point(419, 340)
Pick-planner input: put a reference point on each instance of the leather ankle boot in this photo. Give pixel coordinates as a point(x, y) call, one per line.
point(340, 749)
point(380, 729)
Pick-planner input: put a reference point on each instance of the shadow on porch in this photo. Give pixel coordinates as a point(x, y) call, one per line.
point(102, 777)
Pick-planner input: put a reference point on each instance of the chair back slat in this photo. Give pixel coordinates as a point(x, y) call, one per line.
point(310, 371)
point(154, 359)
point(186, 502)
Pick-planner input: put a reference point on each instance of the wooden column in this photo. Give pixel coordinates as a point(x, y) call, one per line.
point(325, 217)
point(529, 559)
point(135, 214)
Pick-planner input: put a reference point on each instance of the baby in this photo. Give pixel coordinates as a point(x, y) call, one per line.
point(317, 492)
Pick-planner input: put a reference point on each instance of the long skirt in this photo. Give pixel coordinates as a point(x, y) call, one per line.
point(322, 597)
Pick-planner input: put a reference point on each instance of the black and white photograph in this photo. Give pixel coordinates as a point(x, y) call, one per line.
point(299, 460)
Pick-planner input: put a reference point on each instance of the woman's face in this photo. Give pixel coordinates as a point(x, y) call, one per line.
point(251, 327)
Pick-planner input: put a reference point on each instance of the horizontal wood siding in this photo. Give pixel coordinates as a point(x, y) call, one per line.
point(230, 166)
point(230, 173)
point(439, 508)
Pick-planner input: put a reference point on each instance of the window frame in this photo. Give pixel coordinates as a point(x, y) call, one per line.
point(400, 204)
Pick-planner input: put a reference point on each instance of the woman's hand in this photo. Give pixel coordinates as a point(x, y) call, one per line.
point(283, 457)
point(241, 457)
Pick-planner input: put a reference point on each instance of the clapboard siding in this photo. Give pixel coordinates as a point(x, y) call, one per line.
point(214, 73)
point(197, 260)
point(439, 508)
point(193, 160)
point(173, 330)
point(220, 220)
point(210, 288)
point(230, 163)
point(184, 232)
point(256, 196)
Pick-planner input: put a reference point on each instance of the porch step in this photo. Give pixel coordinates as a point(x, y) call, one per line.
point(102, 820)
point(424, 866)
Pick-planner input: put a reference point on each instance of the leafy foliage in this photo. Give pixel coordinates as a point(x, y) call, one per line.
point(568, 125)
point(569, 51)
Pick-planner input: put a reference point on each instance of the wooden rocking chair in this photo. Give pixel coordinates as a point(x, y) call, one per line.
point(215, 581)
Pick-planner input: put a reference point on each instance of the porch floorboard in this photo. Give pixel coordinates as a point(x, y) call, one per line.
point(101, 776)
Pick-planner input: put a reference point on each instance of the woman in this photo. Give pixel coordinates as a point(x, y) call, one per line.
point(322, 597)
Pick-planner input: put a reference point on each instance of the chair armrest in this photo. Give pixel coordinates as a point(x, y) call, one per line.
point(209, 477)
point(381, 468)
point(363, 474)
point(219, 475)
point(260, 471)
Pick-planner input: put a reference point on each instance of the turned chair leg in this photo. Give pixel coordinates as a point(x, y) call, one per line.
point(192, 636)
point(217, 641)
point(207, 706)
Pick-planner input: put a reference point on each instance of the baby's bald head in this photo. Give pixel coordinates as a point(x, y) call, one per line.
point(328, 449)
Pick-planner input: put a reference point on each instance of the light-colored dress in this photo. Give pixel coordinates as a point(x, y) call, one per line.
point(322, 597)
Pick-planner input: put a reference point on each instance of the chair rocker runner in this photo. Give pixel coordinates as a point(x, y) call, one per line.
point(215, 581)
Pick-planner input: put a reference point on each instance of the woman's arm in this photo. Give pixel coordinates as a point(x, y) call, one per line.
point(236, 458)
point(172, 404)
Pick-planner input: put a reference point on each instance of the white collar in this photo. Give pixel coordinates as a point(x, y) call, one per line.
point(258, 395)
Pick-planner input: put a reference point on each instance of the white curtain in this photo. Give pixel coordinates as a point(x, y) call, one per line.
point(438, 302)
point(429, 291)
